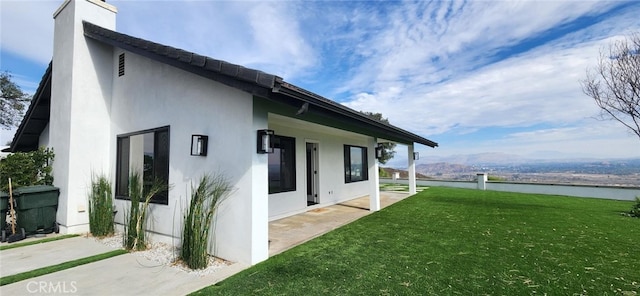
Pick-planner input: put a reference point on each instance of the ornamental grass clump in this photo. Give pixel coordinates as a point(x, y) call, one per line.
point(100, 207)
point(205, 199)
point(135, 218)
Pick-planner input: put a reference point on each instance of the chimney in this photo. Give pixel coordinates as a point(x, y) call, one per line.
point(82, 71)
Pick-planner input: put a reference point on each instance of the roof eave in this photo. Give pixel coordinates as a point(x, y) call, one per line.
point(249, 80)
point(317, 100)
point(36, 102)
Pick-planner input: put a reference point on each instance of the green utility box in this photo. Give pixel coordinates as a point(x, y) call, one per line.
point(4, 209)
point(36, 208)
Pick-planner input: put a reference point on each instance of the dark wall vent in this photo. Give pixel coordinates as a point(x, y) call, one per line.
point(121, 64)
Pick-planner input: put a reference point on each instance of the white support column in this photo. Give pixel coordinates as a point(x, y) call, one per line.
point(259, 204)
point(411, 170)
point(482, 181)
point(374, 180)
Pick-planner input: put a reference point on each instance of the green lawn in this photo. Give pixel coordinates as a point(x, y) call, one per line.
point(35, 242)
point(447, 241)
point(399, 187)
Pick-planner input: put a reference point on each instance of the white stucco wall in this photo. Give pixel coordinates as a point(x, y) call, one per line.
point(44, 137)
point(152, 95)
point(332, 188)
point(92, 105)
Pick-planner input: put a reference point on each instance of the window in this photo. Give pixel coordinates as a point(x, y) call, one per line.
point(355, 164)
point(282, 165)
point(148, 153)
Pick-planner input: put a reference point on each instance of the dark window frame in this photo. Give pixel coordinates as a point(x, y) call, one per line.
point(286, 173)
point(160, 166)
point(348, 165)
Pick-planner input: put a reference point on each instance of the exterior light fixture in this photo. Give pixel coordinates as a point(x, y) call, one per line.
point(265, 143)
point(199, 145)
point(416, 155)
point(379, 151)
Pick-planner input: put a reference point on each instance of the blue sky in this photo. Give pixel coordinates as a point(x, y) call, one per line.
point(474, 76)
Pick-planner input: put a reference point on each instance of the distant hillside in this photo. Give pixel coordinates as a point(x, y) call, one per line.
point(622, 172)
point(498, 158)
point(479, 158)
point(435, 169)
point(388, 172)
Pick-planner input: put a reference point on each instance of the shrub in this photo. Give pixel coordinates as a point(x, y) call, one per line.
point(635, 209)
point(136, 216)
point(100, 207)
point(205, 198)
point(27, 168)
point(495, 178)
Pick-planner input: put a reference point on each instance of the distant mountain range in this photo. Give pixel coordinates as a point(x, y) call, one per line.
point(510, 167)
point(498, 158)
point(471, 159)
point(519, 168)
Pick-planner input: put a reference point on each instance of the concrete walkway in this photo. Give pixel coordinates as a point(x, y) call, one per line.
point(126, 274)
point(28, 258)
point(289, 232)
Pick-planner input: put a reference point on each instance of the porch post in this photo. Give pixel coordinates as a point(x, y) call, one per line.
point(374, 180)
point(411, 170)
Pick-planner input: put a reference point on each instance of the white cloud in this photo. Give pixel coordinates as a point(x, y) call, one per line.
point(590, 138)
point(456, 38)
point(430, 67)
point(253, 34)
point(26, 28)
point(514, 92)
point(464, 95)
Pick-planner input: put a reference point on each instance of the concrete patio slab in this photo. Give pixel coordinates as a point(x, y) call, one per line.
point(291, 231)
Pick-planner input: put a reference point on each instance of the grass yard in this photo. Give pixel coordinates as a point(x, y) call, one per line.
point(35, 242)
point(399, 187)
point(448, 241)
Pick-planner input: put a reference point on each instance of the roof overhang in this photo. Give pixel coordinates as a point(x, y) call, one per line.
point(338, 115)
point(253, 81)
point(35, 119)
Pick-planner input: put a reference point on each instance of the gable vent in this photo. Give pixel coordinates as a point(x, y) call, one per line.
point(121, 64)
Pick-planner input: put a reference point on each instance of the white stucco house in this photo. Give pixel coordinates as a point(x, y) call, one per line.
point(109, 103)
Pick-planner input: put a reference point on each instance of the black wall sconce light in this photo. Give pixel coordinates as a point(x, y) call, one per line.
point(265, 141)
point(379, 151)
point(416, 155)
point(199, 145)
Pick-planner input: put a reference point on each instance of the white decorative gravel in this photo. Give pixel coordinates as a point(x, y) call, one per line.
point(164, 254)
